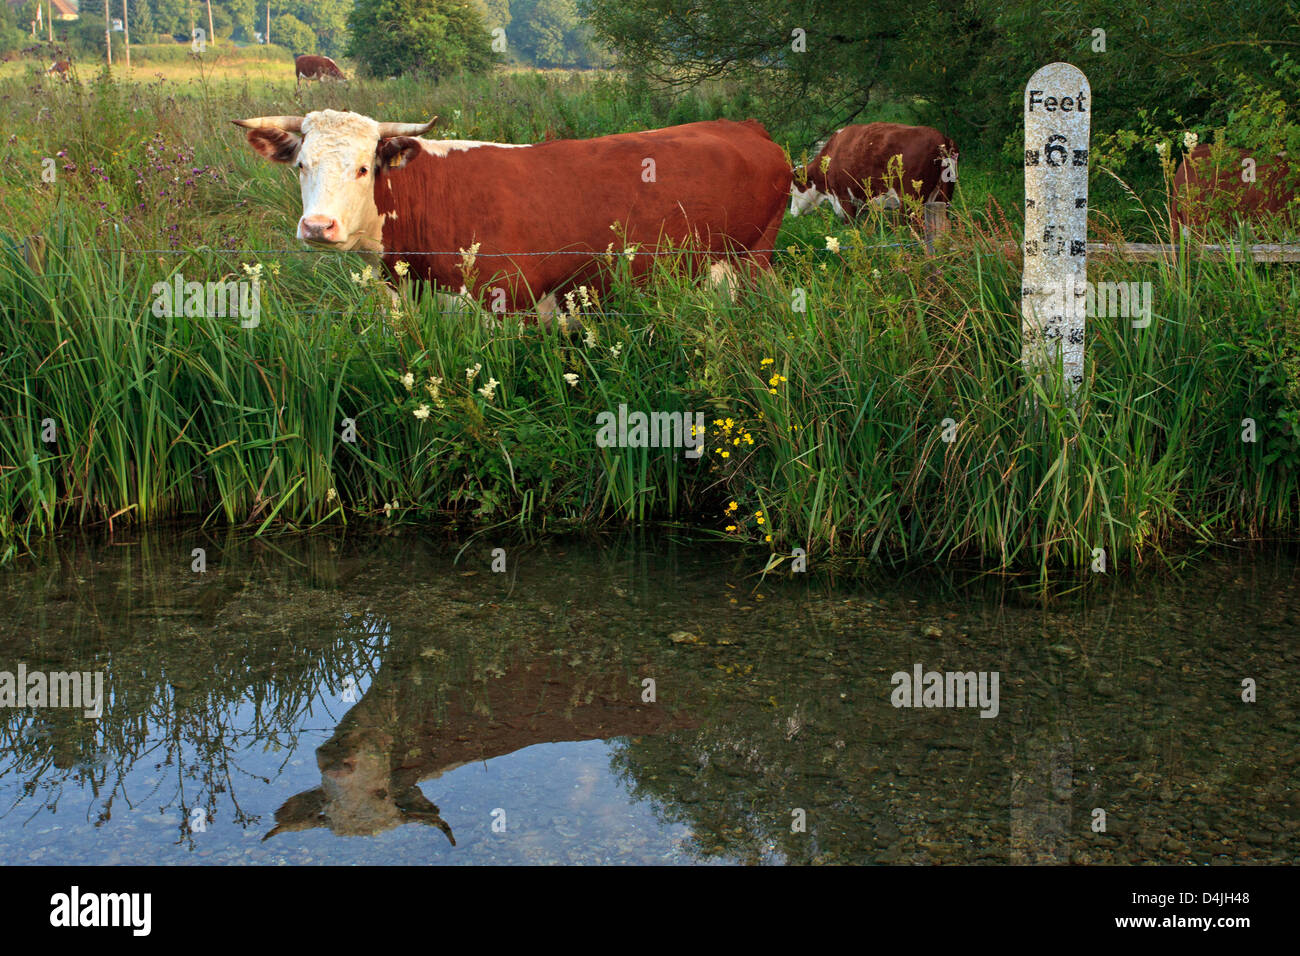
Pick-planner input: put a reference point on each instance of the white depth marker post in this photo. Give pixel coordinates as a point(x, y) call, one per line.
point(1058, 121)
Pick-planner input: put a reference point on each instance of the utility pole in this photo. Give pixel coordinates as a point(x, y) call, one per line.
point(268, 22)
point(50, 19)
point(126, 36)
point(212, 36)
point(108, 35)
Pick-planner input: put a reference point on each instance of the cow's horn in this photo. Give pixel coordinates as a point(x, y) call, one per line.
point(405, 129)
point(290, 124)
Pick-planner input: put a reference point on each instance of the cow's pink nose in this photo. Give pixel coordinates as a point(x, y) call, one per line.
point(319, 227)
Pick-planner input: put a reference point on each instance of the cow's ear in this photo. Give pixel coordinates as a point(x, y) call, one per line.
point(275, 144)
point(396, 151)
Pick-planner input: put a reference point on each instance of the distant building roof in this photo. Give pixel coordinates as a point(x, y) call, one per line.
point(63, 9)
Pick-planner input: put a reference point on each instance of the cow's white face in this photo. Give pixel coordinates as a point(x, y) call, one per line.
point(805, 200)
point(336, 171)
point(336, 158)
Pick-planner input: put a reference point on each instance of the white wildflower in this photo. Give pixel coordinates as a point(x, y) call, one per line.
point(832, 244)
point(1190, 140)
point(590, 338)
point(470, 373)
point(409, 381)
point(571, 378)
point(253, 269)
point(616, 349)
point(629, 251)
point(402, 267)
point(422, 412)
point(467, 257)
point(1162, 149)
point(489, 390)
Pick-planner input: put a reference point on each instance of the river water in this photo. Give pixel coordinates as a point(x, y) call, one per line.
point(640, 700)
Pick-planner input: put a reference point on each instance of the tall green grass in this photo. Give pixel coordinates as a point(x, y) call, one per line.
point(827, 424)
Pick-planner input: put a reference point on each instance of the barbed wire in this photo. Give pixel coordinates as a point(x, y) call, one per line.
point(471, 309)
point(463, 253)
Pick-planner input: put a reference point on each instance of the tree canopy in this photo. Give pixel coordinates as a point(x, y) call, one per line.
point(432, 37)
point(962, 63)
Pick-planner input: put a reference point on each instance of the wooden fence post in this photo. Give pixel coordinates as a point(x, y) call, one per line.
point(936, 224)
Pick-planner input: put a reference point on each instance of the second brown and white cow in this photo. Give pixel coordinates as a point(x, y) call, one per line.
point(853, 169)
point(312, 67)
point(1248, 187)
point(525, 222)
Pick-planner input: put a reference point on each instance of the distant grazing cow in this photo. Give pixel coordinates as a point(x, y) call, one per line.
point(60, 68)
point(534, 219)
point(316, 68)
point(852, 169)
point(1205, 195)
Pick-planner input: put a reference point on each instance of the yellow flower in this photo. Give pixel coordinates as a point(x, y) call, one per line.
point(767, 361)
point(731, 527)
point(733, 506)
point(726, 454)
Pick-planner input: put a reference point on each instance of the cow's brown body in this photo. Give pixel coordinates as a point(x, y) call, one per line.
point(312, 67)
point(60, 68)
point(544, 216)
point(857, 164)
point(1204, 195)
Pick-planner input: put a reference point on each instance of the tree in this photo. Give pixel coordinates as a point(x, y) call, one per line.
point(143, 28)
point(550, 33)
point(435, 37)
point(171, 16)
point(960, 64)
point(292, 34)
point(328, 20)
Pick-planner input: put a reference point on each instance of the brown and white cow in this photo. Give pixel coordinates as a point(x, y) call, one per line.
point(534, 219)
point(312, 67)
point(60, 68)
point(1205, 195)
point(852, 169)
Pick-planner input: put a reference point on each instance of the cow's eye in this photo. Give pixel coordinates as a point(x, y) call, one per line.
point(362, 171)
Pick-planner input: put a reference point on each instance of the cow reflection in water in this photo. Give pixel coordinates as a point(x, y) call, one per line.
point(403, 732)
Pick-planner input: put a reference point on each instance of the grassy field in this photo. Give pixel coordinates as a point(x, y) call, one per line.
point(828, 426)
